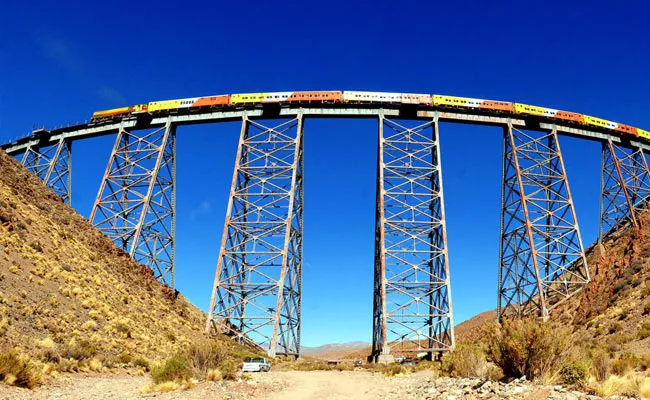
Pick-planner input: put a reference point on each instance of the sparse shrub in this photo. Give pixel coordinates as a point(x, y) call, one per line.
point(124, 328)
point(465, 361)
point(619, 287)
point(36, 245)
point(644, 330)
point(528, 347)
point(89, 325)
point(494, 373)
point(615, 327)
point(82, 350)
point(573, 373)
point(215, 375)
point(176, 368)
point(141, 362)
point(625, 362)
point(600, 365)
point(124, 357)
point(229, 370)
point(205, 355)
point(394, 369)
point(646, 308)
point(18, 371)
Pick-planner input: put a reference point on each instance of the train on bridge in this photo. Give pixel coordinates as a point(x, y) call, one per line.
point(230, 101)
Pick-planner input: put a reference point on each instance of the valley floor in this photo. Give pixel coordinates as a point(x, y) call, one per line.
point(298, 385)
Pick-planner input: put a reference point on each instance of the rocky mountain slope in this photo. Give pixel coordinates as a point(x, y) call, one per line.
point(69, 296)
point(613, 310)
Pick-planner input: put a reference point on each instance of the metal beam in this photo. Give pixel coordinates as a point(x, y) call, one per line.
point(256, 294)
point(542, 260)
point(135, 205)
point(625, 186)
point(53, 166)
point(412, 297)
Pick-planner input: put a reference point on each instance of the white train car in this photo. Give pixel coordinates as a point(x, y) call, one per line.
point(371, 97)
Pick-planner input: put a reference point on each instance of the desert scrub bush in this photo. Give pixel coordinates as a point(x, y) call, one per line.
point(81, 350)
point(625, 362)
point(600, 365)
point(646, 309)
point(629, 385)
point(466, 361)
point(528, 347)
point(574, 373)
point(644, 330)
point(204, 356)
point(393, 369)
point(176, 368)
point(19, 371)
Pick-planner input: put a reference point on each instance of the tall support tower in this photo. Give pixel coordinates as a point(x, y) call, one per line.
point(625, 186)
point(136, 202)
point(53, 165)
point(412, 298)
point(257, 288)
point(542, 260)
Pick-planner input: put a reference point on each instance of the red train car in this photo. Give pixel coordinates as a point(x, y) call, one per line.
point(569, 116)
point(222, 100)
point(497, 105)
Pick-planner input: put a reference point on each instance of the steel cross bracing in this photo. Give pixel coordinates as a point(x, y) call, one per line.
point(257, 289)
point(542, 260)
point(135, 205)
point(53, 166)
point(412, 298)
point(625, 186)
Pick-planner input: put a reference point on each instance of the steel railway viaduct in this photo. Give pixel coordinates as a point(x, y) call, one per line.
point(258, 280)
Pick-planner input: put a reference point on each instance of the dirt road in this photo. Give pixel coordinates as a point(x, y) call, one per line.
point(276, 385)
point(332, 385)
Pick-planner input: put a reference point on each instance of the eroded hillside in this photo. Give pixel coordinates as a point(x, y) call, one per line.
point(68, 295)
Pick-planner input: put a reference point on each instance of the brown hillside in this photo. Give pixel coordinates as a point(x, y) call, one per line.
point(68, 293)
point(614, 308)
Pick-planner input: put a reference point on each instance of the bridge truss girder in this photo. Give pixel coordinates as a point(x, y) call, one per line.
point(625, 186)
point(53, 166)
point(412, 296)
point(136, 202)
point(257, 289)
point(542, 259)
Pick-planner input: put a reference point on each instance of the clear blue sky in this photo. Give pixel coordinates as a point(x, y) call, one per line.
point(61, 61)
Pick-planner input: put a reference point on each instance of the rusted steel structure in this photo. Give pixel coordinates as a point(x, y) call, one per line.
point(412, 299)
point(625, 186)
point(258, 280)
point(542, 260)
point(52, 163)
point(256, 295)
point(135, 205)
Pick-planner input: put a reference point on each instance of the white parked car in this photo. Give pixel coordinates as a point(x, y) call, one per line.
point(256, 364)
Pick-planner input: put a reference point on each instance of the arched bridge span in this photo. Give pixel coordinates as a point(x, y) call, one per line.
point(257, 291)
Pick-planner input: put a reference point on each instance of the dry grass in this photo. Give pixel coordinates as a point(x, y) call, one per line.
point(467, 361)
point(168, 386)
point(16, 370)
point(631, 385)
point(69, 286)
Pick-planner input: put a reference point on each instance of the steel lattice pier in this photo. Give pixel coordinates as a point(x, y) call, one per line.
point(542, 260)
point(53, 165)
point(625, 186)
point(257, 289)
point(412, 299)
point(135, 205)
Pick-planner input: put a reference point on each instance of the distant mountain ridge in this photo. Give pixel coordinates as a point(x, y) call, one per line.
point(334, 347)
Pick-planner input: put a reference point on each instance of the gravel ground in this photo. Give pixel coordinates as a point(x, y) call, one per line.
point(299, 385)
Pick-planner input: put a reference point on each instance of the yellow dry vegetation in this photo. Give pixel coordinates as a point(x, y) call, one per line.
point(70, 299)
